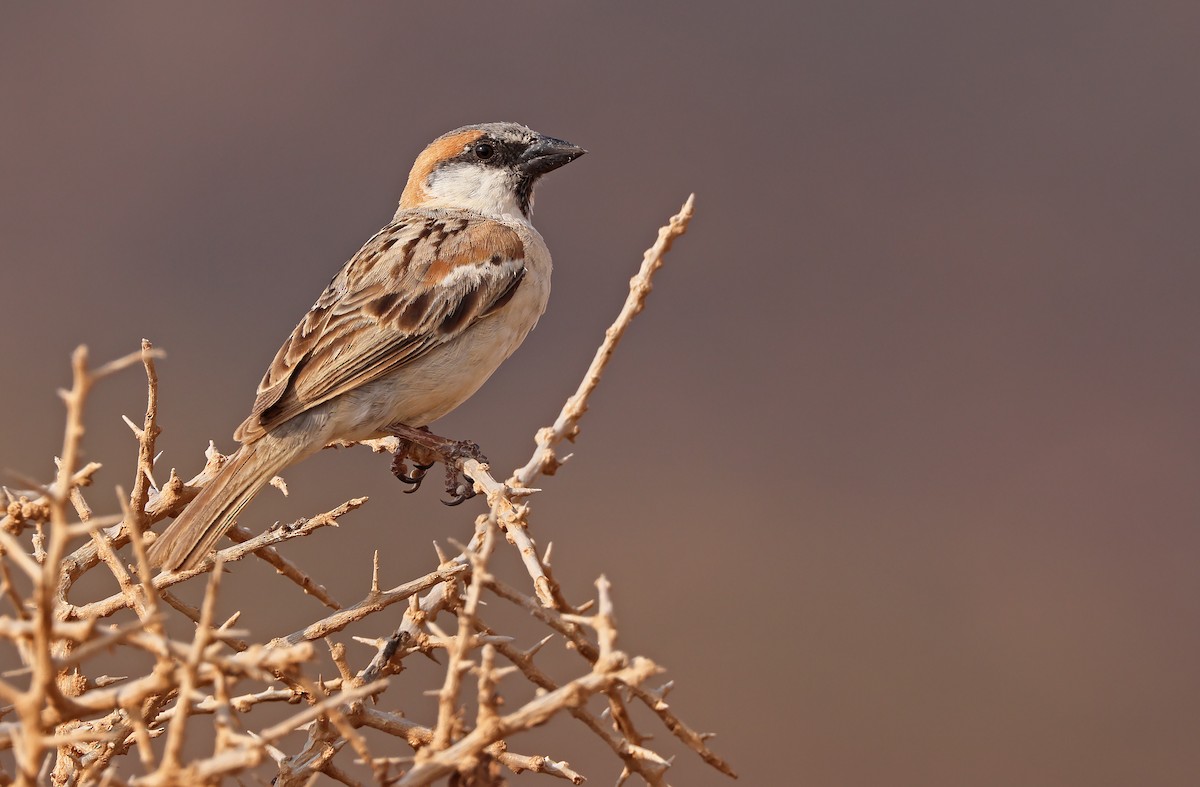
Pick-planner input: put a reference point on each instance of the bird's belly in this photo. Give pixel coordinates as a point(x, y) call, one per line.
point(426, 389)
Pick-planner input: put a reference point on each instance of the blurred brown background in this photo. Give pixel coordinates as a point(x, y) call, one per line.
point(898, 473)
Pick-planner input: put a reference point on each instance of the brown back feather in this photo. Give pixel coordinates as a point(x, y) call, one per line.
point(413, 286)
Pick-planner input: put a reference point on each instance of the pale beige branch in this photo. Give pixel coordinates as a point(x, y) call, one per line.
point(21, 510)
point(534, 713)
point(417, 736)
point(287, 569)
point(375, 601)
point(544, 460)
point(297, 529)
point(72, 727)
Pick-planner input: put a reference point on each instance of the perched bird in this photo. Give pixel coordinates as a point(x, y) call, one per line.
point(408, 330)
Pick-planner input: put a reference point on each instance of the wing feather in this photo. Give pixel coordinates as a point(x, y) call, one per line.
point(420, 282)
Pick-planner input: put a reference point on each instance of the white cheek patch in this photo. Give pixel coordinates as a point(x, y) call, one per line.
point(480, 189)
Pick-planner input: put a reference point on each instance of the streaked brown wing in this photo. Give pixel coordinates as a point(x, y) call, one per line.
point(420, 282)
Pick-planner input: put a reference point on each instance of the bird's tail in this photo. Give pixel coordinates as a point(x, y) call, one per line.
point(195, 532)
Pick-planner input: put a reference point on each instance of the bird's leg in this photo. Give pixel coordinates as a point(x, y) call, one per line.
point(423, 447)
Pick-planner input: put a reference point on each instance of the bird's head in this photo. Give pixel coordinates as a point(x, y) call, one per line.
point(488, 168)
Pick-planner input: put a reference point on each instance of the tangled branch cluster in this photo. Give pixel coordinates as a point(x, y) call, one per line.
point(70, 726)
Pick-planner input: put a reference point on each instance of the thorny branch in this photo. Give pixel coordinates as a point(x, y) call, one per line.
point(64, 723)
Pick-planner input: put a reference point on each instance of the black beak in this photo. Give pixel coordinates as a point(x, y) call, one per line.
point(548, 154)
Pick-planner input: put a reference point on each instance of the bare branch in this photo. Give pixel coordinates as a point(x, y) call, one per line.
point(375, 601)
point(299, 528)
point(566, 427)
point(71, 726)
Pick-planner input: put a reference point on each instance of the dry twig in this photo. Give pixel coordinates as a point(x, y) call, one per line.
point(68, 725)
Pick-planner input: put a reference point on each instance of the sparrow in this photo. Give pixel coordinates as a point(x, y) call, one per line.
point(407, 331)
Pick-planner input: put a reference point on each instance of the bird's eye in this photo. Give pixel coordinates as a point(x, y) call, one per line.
point(484, 151)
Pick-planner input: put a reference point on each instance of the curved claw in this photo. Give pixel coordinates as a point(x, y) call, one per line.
point(400, 470)
point(462, 493)
point(416, 478)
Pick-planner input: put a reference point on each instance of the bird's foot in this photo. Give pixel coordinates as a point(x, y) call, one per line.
point(423, 447)
point(464, 489)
